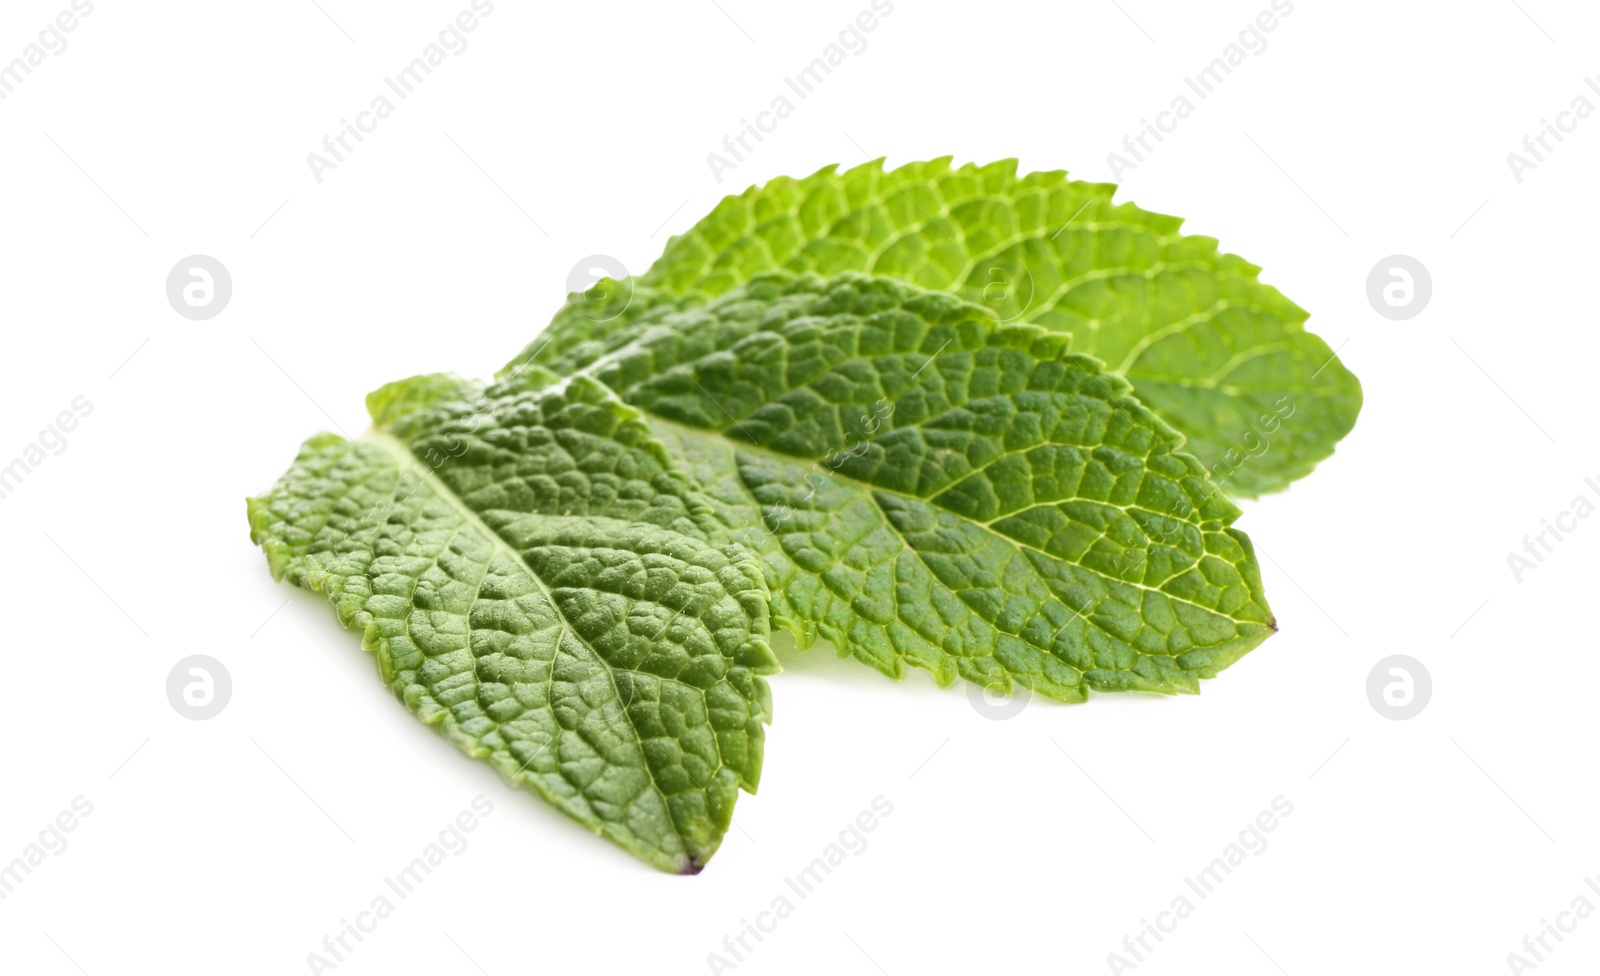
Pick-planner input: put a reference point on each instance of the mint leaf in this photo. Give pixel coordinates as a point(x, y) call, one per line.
point(1222, 357)
point(929, 487)
point(536, 580)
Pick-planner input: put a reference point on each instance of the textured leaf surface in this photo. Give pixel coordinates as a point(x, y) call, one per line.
point(536, 581)
point(927, 486)
point(1221, 356)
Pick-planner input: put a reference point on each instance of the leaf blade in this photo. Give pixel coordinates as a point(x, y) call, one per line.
point(929, 488)
point(605, 660)
point(1168, 311)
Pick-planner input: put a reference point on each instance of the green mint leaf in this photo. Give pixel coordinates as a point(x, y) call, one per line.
point(927, 486)
point(1222, 357)
point(535, 578)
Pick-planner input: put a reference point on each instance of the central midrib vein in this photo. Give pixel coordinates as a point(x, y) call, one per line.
point(682, 429)
point(401, 452)
point(639, 343)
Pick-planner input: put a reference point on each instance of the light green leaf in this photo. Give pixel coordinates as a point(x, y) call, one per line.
point(1222, 357)
point(535, 578)
point(929, 487)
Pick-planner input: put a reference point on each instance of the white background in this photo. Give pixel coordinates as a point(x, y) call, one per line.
point(444, 242)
